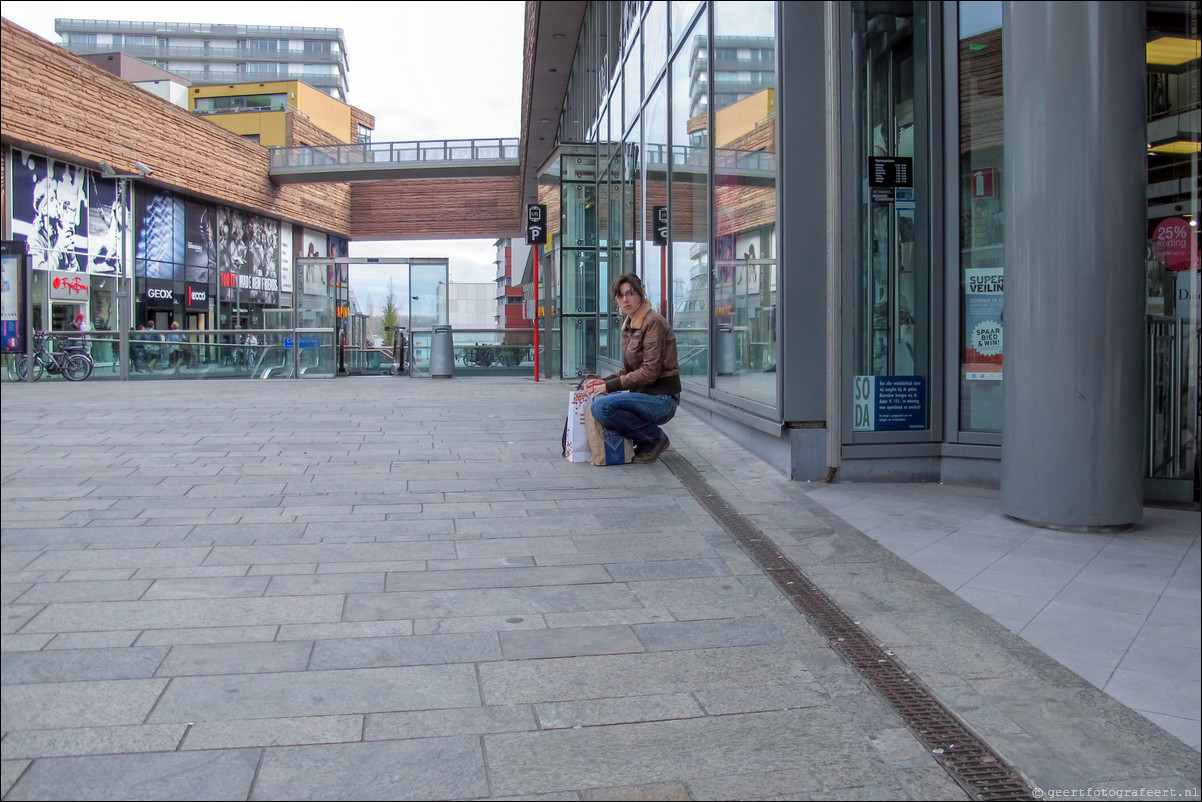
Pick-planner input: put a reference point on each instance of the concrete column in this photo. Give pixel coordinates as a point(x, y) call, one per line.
point(1074, 188)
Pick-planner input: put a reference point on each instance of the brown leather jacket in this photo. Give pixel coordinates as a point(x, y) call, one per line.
point(649, 362)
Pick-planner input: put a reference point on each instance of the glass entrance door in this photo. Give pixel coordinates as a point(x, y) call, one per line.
point(891, 362)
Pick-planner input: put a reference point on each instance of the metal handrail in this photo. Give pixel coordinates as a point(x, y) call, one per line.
point(123, 26)
point(416, 152)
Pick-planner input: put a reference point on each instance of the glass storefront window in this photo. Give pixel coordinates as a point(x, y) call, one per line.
point(580, 211)
point(1174, 281)
point(689, 208)
point(578, 260)
point(655, 41)
point(744, 199)
point(579, 282)
point(682, 15)
point(633, 87)
point(982, 259)
point(655, 195)
point(890, 374)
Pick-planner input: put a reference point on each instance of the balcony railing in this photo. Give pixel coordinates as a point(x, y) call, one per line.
point(385, 160)
point(211, 54)
point(64, 25)
point(445, 150)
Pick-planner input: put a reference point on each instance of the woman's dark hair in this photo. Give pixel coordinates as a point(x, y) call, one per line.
point(633, 280)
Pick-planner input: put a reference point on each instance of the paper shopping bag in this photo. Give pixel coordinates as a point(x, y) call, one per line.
point(575, 445)
point(607, 446)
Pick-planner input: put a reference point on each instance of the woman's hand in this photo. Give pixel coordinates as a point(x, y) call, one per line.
point(596, 386)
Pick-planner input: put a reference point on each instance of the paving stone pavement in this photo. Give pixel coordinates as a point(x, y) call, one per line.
point(383, 588)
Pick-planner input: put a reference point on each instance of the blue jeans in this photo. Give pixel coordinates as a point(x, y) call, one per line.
point(636, 415)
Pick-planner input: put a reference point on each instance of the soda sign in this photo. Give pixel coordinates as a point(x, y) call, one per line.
point(1175, 243)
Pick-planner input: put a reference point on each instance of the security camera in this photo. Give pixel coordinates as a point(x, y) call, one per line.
point(106, 169)
point(143, 169)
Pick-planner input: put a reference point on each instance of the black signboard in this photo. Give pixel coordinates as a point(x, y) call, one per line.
point(157, 293)
point(890, 171)
point(197, 295)
point(661, 224)
point(536, 224)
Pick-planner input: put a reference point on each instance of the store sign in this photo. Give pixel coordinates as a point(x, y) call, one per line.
point(889, 403)
point(158, 294)
point(1175, 243)
point(65, 286)
point(197, 295)
point(890, 171)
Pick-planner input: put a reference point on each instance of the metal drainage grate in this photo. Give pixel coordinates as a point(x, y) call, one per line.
point(976, 768)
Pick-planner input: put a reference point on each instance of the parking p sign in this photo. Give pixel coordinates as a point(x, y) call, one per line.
point(536, 224)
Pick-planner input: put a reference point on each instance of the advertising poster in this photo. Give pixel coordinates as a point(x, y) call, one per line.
point(104, 225)
point(248, 257)
point(12, 299)
point(200, 242)
point(314, 278)
point(69, 216)
point(285, 257)
point(160, 242)
point(889, 403)
point(983, 296)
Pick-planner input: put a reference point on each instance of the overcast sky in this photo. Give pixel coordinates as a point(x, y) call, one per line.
point(426, 70)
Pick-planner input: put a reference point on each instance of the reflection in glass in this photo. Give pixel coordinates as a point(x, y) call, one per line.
point(689, 223)
point(428, 294)
point(655, 194)
point(633, 86)
point(982, 259)
point(1174, 274)
point(744, 138)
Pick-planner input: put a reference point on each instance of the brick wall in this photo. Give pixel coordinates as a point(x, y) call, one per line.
point(360, 117)
point(436, 208)
point(55, 103)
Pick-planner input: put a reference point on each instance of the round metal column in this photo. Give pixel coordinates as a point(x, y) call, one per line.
point(1075, 185)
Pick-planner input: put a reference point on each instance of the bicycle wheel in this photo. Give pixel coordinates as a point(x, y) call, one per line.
point(22, 367)
point(77, 367)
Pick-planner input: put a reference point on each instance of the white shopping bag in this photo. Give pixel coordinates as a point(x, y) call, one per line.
point(576, 448)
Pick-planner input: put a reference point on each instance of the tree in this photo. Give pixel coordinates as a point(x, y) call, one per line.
point(391, 315)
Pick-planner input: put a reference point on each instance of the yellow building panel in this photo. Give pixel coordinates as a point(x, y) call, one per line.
point(282, 97)
point(739, 119)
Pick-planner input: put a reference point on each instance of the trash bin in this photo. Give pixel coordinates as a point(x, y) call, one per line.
point(442, 353)
point(725, 351)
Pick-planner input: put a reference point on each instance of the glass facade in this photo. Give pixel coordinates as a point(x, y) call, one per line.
point(130, 257)
point(708, 177)
point(683, 104)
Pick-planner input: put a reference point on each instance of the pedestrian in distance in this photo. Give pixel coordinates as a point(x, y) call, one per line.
point(642, 396)
point(176, 337)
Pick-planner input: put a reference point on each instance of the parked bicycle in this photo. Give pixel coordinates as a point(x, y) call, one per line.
point(70, 359)
point(486, 356)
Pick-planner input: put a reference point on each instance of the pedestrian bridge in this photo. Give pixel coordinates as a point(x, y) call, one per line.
point(382, 161)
